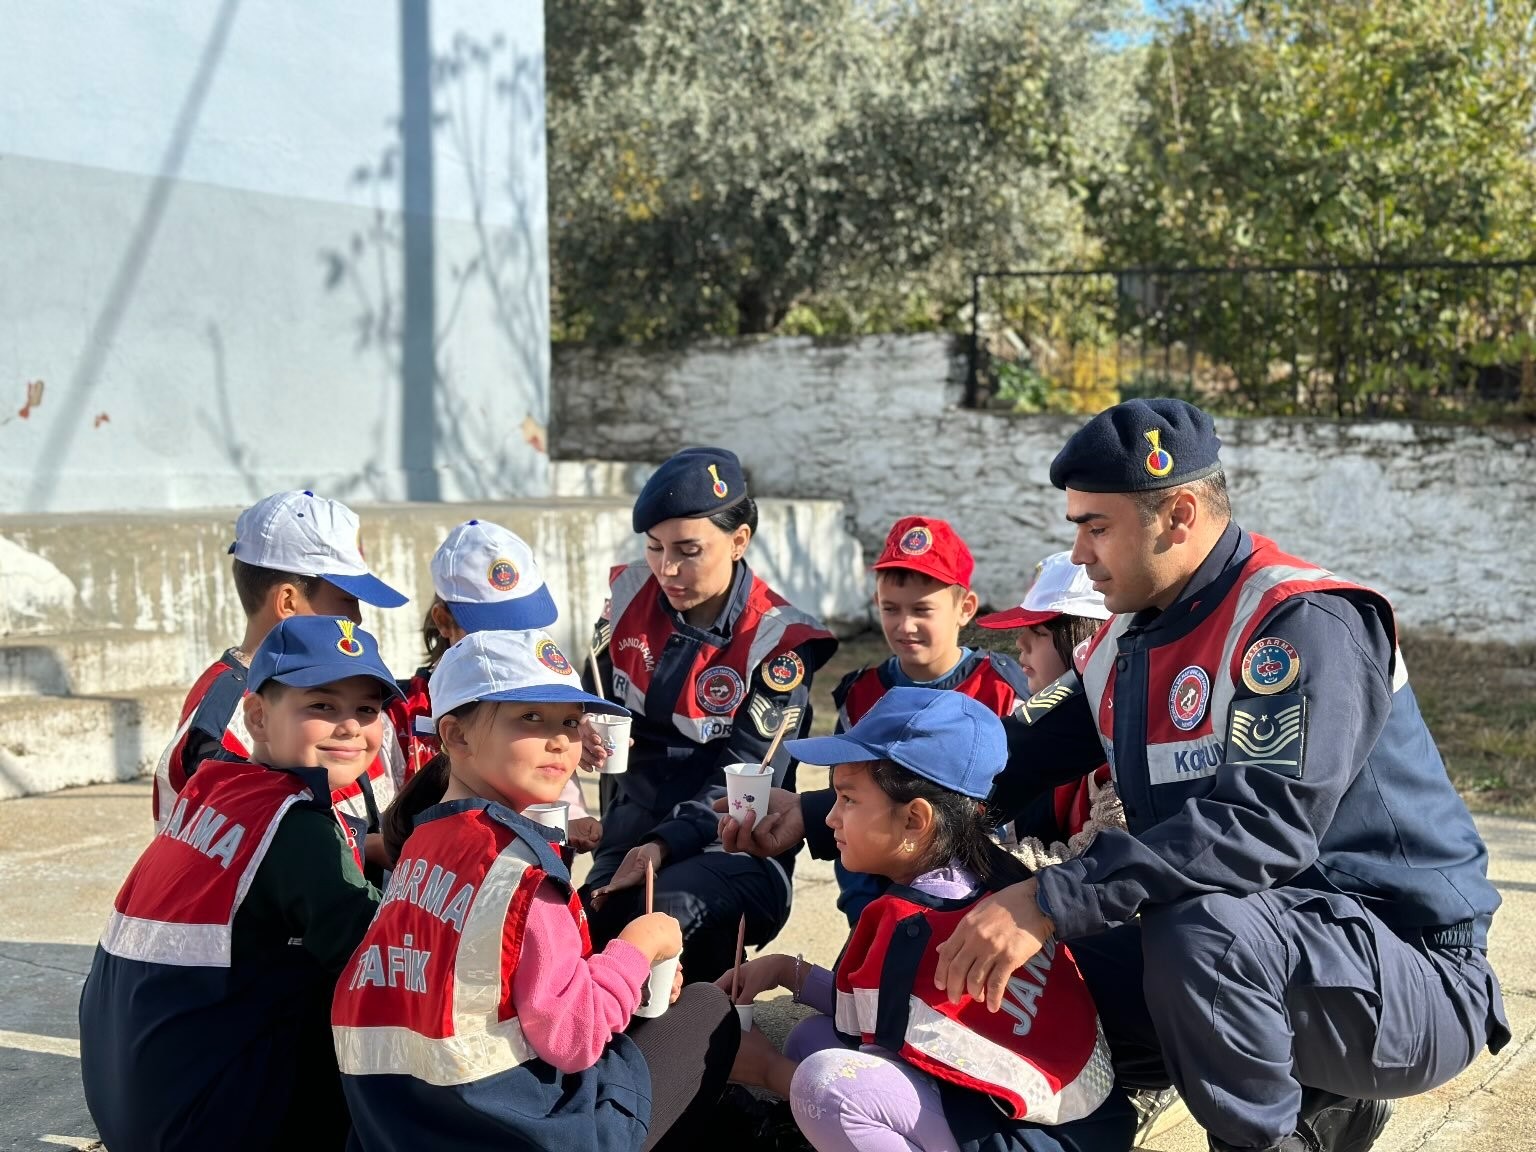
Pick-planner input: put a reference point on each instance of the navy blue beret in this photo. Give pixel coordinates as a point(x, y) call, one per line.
point(1138, 446)
point(695, 482)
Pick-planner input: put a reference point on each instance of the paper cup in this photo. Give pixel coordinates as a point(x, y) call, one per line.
point(659, 988)
point(614, 731)
point(746, 789)
point(744, 1014)
point(550, 815)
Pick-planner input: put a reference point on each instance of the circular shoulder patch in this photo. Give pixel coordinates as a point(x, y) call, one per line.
point(719, 690)
point(916, 541)
point(1270, 665)
point(551, 657)
point(785, 672)
point(1188, 697)
point(503, 575)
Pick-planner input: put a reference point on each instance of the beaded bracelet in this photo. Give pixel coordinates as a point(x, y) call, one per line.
point(799, 979)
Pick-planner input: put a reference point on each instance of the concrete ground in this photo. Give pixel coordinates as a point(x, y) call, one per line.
point(64, 854)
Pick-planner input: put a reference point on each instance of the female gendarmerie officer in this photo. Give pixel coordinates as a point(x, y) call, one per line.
point(711, 661)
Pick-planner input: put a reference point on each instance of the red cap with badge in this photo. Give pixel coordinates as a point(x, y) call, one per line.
point(932, 547)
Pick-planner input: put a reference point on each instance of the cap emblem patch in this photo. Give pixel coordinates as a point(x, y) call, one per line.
point(1270, 665)
point(503, 575)
point(551, 657)
point(719, 690)
point(1188, 697)
point(720, 489)
point(348, 645)
point(916, 541)
point(1159, 461)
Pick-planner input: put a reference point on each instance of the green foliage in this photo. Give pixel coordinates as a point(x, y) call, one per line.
point(824, 166)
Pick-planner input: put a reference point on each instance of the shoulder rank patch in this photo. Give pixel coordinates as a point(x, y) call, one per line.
point(1043, 701)
point(602, 636)
point(1270, 665)
point(767, 717)
point(785, 672)
point(1269, 732)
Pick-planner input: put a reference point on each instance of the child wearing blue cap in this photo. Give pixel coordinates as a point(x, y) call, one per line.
point(889, 1063)
point(203, 1018)
point(484, 578)
point(475, 1005)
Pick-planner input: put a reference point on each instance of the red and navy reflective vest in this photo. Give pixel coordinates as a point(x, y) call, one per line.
point(1042, 1058)
point(992, 678)
point(1192, 681)
point(417, 747)
point(426, 1031)
point(213, 707)
point(182, 1045)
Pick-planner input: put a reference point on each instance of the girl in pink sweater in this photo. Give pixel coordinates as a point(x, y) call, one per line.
point(474, 1007)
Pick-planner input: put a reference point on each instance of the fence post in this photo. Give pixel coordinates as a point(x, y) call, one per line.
point(973, 368)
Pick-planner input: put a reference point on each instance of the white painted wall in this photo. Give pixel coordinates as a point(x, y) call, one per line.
point(241, 258)
point(1439, 519)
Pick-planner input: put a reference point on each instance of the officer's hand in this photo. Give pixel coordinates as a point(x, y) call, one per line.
point(677, 984)
point(631, 870)
point(583, 834)
point(656, 935)
point(782, 830)
point(990, 944)
point(758, 976)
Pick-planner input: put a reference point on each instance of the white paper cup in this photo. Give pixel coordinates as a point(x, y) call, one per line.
point(550, 815)
point(744, 1014)
point(663, 972)
point(746, 790)
point(614, 731)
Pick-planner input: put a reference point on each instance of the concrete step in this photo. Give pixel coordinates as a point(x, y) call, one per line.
point(90, 663)
point(49, 742)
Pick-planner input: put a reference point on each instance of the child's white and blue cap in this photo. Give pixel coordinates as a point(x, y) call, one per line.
point(309, 651)
point(526, 665)
point(947, 737)
point(308, 535)
point(490, 581)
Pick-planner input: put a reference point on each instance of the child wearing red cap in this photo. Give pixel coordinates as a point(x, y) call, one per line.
point(923, 597)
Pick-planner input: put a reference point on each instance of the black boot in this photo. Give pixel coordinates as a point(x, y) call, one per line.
point(1332, 1124)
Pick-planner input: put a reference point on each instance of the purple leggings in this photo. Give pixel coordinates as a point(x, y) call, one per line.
point(861, 1100)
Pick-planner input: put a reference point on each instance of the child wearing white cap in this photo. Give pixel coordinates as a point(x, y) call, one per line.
point(1058, 616)
point(295, 554)
point(504, 1028)
point(484, 578)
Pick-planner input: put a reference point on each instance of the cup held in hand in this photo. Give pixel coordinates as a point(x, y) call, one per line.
point(658, 989)
point(746, 789)
point(614, 731)
point(744, 1014)
point(553, 815)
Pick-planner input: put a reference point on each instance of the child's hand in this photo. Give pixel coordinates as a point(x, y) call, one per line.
point(677, 984)
point(594, 752)
point(758, 976)
point(760, 1065)
point(656, 935)
point(583, 834)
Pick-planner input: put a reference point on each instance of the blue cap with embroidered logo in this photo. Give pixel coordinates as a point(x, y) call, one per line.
point(1139, 446)
point(947, 737)
point(695, 482)
point(308, 651)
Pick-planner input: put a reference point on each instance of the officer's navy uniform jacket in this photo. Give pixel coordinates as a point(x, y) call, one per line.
point(203, 1018)
point(431, 1051)
point(701, 698)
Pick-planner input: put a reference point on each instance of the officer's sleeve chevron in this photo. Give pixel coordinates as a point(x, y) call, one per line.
point(1269, 732)
point(602, 636)
point(1052, 696)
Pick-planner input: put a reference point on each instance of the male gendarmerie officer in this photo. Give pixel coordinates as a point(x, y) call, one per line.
point(1303, 889)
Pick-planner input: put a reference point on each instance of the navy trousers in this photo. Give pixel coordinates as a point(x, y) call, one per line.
point(1244, 1002)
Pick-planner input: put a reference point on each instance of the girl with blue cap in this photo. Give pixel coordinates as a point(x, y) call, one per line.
point(475, 1006)
point(889, 1064)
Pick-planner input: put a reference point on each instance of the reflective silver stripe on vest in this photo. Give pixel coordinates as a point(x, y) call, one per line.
point(189, 945)
point(771, 627)
point(950, 1043)
point(481, 1045)
point(165, 795)
point(621, 595)
point(1095, 678)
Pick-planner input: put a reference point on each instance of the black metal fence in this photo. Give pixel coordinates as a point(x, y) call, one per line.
point(1448, 340)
